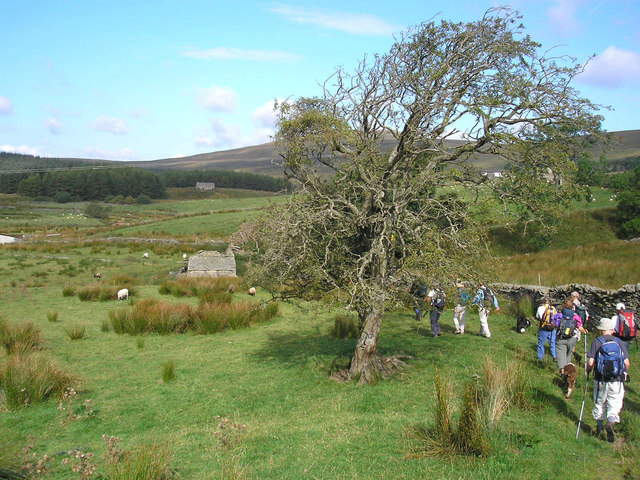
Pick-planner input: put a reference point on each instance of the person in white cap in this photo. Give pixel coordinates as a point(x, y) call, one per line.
point(626, 328)
point(462, 299)
point(609, 358)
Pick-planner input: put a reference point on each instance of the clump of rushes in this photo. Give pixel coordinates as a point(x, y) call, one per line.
point(53, 316)
point(344, 326)
point(20, 338)
point(168, 371)
point(153, 316)
point(68, 291)
point(27, 379)
point(76, 332)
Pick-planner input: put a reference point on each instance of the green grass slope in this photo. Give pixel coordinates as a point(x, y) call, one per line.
point(287, 419)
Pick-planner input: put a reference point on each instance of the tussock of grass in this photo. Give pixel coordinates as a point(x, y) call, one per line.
point(483, 405)
point(76, 332)
point(168, 371)
point(345, 326)
point(27, 379)
point(20, 338)
point(53, 316)
point(68, 291)
point(211, 290)
point(153, 316)
point(123, 279)
point(149, 461)
point(103, 293)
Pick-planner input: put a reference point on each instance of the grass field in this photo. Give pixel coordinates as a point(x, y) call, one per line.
point(290, 420)
point(258, 403)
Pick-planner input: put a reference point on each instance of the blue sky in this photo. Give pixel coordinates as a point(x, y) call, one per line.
point(143, 80)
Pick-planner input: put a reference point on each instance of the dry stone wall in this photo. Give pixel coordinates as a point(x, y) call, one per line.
point(599, 302)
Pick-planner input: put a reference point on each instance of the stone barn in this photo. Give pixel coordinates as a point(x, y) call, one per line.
point(203, 186)
point(207, 263)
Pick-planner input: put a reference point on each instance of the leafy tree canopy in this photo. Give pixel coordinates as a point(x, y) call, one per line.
point(366, 223)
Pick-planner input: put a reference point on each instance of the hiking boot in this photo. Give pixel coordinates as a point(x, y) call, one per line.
point(457, 332)
point(611, 434)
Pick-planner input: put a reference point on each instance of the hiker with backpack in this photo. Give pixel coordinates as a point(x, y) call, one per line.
point(581, 311)
point(419, 292)
point(609, 357)
point(436, 298)
point(568, 325)
point(462, 299)
point(485, 300)
point(626, 329)
point(546, 328)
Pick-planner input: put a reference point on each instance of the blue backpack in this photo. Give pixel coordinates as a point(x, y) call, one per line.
point(610, 361)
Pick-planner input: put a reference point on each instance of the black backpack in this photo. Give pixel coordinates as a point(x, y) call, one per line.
point(567, 327)
point(439, 299)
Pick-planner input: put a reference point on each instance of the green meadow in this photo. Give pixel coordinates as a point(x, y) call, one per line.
point(258, 402)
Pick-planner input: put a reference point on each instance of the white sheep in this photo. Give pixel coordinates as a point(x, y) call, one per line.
point(232, 288)
point(252, 291)
point(123, 294)
point(97, 275)
point(184, 256)
point(145, 255)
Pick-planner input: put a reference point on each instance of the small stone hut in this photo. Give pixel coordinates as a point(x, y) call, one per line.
point(205, 186)
point(207, 263)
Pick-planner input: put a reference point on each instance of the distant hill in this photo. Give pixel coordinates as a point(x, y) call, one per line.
point(624, 151)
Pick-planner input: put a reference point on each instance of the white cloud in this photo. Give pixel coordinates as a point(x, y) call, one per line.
point(20, 149)
point(220, 135)
point(6, 107)
point(53, 125)
point(101, 154)
point(217, 99)
point(613, 68)
point(352, 23)
point(241, 54)
point(111, 125)
point(563, 16)
point(264, 115)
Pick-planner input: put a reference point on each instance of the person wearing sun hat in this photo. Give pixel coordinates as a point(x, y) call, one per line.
point(608, 388)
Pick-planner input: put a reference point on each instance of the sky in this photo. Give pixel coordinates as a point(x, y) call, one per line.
point(145, 80)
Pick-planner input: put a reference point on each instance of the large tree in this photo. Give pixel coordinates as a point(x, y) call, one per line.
point(382, 197)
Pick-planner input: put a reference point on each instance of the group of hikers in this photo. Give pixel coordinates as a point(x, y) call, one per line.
point(607, 356)
point(484, 299)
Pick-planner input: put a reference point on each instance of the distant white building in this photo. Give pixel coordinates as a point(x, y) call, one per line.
point(205, 186)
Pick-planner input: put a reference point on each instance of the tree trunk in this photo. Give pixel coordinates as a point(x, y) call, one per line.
point(364, 364)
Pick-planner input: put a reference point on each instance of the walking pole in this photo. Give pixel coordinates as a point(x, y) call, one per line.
point(586, 384)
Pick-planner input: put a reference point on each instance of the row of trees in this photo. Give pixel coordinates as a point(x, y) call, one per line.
point(91, 183)
point(94, 184)
point(225, 179)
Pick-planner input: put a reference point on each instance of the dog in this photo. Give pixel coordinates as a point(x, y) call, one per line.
point(569, 375)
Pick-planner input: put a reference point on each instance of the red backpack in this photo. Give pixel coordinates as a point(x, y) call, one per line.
point(626, 329)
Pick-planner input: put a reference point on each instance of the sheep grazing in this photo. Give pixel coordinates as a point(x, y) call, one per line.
point(232, 288)
point(145, 255)
point(252, 291)
point(97, 275)
point(123, 294)
point(184, 256)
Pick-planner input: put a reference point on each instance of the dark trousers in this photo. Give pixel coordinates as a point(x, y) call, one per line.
point(435, 324)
